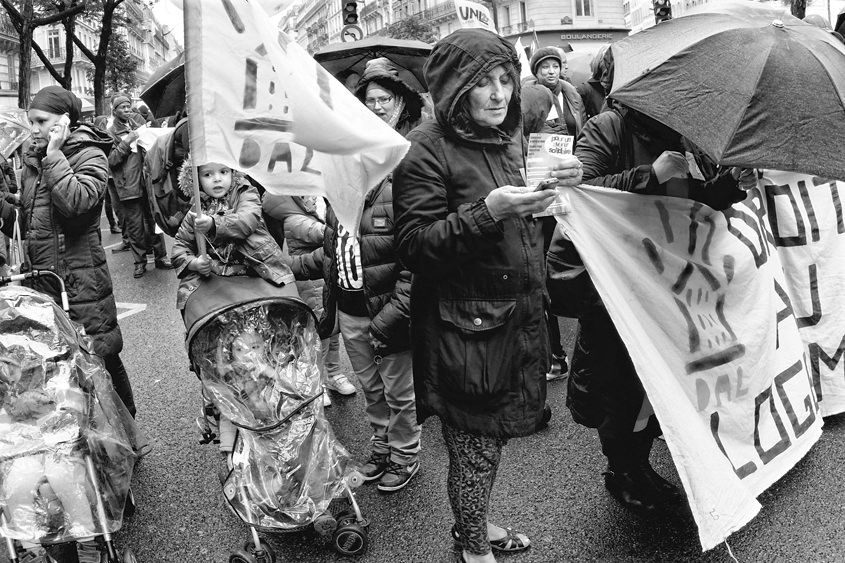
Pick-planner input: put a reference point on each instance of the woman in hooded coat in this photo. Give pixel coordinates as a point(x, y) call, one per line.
point(464, 229)
point(61, 197)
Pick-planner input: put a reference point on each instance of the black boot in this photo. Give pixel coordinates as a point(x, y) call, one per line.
point(631, 490)
point(663, 491)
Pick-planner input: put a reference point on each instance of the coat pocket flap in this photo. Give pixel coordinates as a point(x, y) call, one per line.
point(476, 315)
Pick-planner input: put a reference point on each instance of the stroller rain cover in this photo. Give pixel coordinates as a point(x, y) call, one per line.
point(59, 418)
point(259, 364)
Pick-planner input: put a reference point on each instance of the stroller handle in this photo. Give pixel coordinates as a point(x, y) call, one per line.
point(5, 280)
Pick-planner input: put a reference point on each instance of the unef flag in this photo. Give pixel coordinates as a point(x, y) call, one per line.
point(259, 103)
point(474, 15)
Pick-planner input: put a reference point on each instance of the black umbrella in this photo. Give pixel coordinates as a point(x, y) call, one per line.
point(164, 92)
point(749, 90)
point(407, 54)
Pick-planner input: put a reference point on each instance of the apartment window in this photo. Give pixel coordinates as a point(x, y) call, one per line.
point(584, 8)
point(506, 16)
point(54, 44)
point(523, 14)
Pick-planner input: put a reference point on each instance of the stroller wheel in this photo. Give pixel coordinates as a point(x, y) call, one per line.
point(325, 524)
point(346, 517)
point(267, 555)
point(241, 556)
point(350, 539)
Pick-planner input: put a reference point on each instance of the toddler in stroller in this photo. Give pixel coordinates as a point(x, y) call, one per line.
point(66, 439)
point(256, 350)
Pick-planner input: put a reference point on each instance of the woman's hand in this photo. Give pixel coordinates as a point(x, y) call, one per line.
point(513, 201)
point(567, 171)
point(58, 134)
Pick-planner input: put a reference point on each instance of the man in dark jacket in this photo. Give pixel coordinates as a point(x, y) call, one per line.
point(62, 189)
point(127, 166)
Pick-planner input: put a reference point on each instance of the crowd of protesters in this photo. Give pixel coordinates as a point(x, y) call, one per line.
point(441, 300)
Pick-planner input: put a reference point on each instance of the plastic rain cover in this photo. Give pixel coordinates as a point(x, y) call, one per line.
point(259, 364)
point(66, 440)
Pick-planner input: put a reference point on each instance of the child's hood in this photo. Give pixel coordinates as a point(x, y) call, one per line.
point(186, 178)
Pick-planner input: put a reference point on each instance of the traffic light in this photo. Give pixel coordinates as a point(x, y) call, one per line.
point(662, 10)
point(350, 12)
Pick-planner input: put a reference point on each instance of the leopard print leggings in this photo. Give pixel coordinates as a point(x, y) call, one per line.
point(473, 462)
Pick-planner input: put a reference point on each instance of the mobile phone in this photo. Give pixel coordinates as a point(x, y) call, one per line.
point(64, 120)
point(546, 184)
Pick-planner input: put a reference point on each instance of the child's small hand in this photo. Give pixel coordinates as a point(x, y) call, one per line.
point(203, 223)
point(201, 265)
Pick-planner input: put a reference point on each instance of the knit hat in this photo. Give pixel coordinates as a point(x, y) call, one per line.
point(543, 54)
point(120, 99)
point(384, 73)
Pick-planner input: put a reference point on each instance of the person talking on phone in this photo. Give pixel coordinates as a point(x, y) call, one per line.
point(61, 197)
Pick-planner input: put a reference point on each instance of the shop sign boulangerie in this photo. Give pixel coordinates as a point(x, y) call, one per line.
point(259, 103)
point(808, 230)
point(699, 298)
point(474, 15)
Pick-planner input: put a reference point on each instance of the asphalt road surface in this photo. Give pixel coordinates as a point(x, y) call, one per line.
point(549, 484)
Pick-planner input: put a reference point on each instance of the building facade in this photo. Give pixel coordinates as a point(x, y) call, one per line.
point(9, 63)
point(572, 24)
point(146, 41)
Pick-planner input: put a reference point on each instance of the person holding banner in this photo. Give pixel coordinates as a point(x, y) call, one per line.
point(626, 150)
point(465, 229)
point(62, 189)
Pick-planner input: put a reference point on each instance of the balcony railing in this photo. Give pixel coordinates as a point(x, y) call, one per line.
point(439, 11)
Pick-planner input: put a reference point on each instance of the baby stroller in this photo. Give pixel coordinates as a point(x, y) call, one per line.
point(256, 350)
point(67, 442)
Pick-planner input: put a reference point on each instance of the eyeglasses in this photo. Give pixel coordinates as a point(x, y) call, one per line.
point(382, 101)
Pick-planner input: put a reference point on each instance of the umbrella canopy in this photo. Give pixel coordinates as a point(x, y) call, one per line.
point(14, 129)
point(164, 92)
point(407, 54)
point(749, 90)
point(579, 66)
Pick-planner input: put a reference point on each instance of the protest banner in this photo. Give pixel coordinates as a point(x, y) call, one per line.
point(808, 230)
point(698, 297)
point(474, 15)
point(259, 103)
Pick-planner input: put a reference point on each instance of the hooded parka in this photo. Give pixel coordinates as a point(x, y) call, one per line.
point(61, 200)
point(480, 341)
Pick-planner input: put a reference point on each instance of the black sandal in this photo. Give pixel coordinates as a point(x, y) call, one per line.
point(508, 544)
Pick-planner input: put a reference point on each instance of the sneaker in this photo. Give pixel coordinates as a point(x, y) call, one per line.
point(341, 384)
point(397, 476)
point(89, 552)
point(558, 368)
point(375, 467)
point(36, 555)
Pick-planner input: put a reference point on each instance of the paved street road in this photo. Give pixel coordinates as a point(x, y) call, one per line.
point(549, 484)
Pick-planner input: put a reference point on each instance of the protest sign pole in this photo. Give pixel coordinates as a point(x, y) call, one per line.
point(192, 13)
